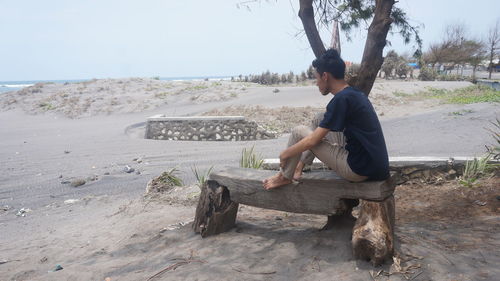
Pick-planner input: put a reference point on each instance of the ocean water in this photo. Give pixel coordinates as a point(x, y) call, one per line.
point(7, 86)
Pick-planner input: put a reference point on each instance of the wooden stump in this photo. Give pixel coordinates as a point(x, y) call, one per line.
point(215, 213)
point(373, 233)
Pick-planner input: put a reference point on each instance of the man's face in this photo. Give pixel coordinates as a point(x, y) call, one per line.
point(321, 82)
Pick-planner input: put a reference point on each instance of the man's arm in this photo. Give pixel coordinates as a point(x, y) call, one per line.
point(305, 144)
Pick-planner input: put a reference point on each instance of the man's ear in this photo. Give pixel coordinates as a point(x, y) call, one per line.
point(324, 76)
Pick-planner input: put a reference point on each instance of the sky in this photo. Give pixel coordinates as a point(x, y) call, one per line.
point(69, 39)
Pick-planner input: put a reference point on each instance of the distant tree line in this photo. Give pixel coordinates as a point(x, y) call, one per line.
point(271, 78)
point(458, 49)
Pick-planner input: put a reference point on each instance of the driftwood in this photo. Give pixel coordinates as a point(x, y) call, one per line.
point(373, 233)
point(215, 213)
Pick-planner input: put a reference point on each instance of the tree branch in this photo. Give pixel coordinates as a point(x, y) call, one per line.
point(374, 46)
point(306, 15)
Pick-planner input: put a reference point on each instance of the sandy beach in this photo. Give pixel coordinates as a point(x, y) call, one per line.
point(54, 134)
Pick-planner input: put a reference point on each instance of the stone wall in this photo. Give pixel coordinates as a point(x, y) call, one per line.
point(204, 128)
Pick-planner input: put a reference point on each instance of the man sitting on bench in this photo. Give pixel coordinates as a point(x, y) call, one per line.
point(348, 139)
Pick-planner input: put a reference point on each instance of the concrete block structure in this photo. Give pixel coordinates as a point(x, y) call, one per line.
point(205, 128)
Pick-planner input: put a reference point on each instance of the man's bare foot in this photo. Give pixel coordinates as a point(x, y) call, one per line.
point(275, 181)
point(297, 174)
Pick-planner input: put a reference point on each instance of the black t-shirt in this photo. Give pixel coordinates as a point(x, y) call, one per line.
point(351, 112)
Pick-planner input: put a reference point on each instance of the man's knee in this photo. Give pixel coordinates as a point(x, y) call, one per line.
point(318, 117)
point(300, 132)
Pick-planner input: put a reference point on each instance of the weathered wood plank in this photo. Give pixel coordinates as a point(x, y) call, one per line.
point(317, 193)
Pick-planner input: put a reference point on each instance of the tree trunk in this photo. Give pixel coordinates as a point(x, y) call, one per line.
point(491, 62)
point(373, 233)
point(374, 46)
point(306, 15)
point(474, 72)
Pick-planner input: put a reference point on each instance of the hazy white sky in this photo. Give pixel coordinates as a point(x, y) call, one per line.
point(68, 39)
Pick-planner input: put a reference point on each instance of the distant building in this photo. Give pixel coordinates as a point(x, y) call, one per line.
point(414, 65)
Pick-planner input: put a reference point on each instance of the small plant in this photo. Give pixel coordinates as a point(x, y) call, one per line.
point(155, 77)
point(164, 182)
point(170, 177)
point(46, 106)
point(427, 74)
point(494, 151)
point(485, 166)
point(400, 94)
point(196, 88)
point(201, 177)
point(162, 95)
point(249, 159)
point(476, 168)
point(460, 112)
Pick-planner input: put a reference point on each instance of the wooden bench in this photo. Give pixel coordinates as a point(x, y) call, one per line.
point(322, 193)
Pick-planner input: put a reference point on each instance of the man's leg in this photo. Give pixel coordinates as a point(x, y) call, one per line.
point(285, 176)
point(334, 155)
point(307, 156)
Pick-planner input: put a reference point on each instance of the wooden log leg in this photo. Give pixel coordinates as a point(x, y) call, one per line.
point(343, 215)
point(215, 213)
point(373, 233)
